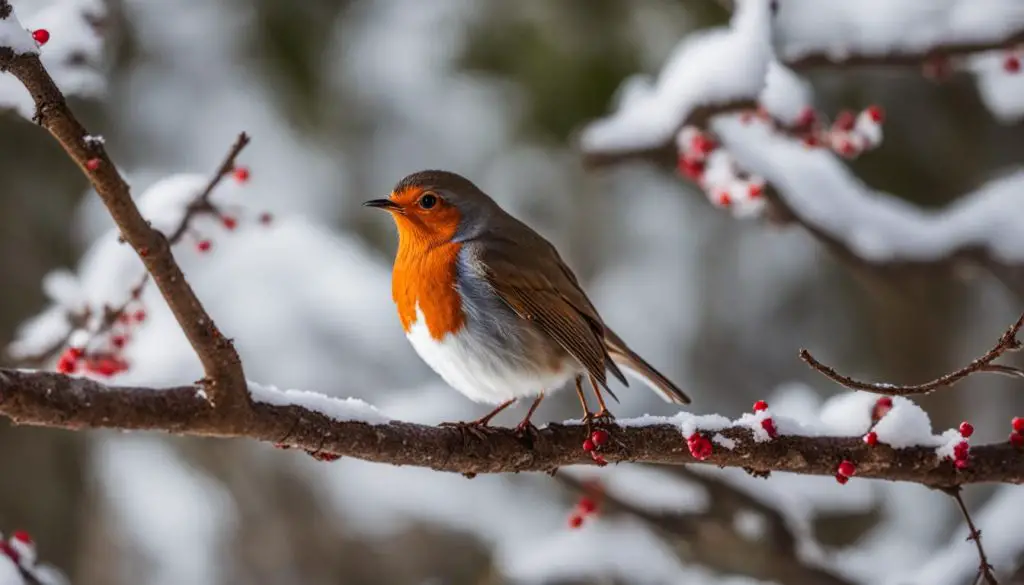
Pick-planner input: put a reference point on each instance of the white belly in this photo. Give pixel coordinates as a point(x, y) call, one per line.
point(477, 371)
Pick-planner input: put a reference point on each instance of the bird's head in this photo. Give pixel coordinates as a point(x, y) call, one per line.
point(435, 207)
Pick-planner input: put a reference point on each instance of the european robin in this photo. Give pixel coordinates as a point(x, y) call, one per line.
point(489, 304)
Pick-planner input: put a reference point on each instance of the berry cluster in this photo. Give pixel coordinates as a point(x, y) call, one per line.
point(881, 408)
point(593, 444)
point(715, 171)
point(100, 350)
point(962, 450)
point(702, 160)
point(766, 423)
point(1017, 434)
point(588, 504)
point(849, 135)
point(97, 344)
point(1011, 62)
point(21, 550)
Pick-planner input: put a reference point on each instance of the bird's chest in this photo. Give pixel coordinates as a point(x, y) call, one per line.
point(424, 289)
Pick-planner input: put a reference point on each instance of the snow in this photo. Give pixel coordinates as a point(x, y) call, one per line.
point(880, 27)
point(878, 226)
point(708, 67)
point(339, 409)
point(72, 56)
point(785, 94)
point(1002, 92)
point(16, 37)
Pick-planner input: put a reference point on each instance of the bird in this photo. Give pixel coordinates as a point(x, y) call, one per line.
point(492, 308)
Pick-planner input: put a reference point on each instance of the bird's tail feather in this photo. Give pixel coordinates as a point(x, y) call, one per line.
point(638, 368)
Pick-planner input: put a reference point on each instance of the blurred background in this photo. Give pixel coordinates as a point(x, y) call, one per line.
point(344, 97)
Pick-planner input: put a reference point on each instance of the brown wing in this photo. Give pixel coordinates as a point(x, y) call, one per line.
point(549, 296)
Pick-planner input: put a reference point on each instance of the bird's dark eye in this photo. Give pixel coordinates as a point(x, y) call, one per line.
point(427, 201)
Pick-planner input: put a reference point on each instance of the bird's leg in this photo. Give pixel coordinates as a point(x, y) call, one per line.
point(525, 426)
point(476, 427)
point(604, 413)
point(587, 416)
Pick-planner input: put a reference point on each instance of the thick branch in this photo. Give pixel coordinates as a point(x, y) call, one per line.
point(54, 400)
point(225, 379)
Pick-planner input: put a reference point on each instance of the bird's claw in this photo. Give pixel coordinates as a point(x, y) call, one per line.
point(526, 429)
point(476, 428)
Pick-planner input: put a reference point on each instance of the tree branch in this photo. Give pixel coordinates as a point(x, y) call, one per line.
point(54, 400)
point(225, 379)
point(712, 539)
point(984, 567)
point(1008, 342)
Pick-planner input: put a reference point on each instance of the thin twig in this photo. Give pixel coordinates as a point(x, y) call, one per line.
point(984, 567)
point(1007, 342)
point(200, 205)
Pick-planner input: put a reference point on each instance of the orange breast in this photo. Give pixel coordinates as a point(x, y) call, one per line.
point(425, 276)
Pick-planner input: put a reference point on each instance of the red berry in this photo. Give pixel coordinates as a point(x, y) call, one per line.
point(7, 549)
point(876, 113)
point(587, 505)
point(92, 164)
point(118, 341)
point(1011, 64)
point(702, 145)
point(724, 200)
point(324, 456)
point(966, 429)
point(769, 426)
point(1017, 440)
point(266, 218)
point(700, 447)
point(1018, 424)
point(811, 141)
point(575, 521)
point(882, 407)
point(806, 118)
point(75, 352)
point(845, 121)
point(842, 479)
point(599, 460)
point(961, 463)
point(241, 174)
point(847, 468)
point(847, 149)
point(41, 35)
point(691, 168)
point(143, 251)
point(22, 536)
point(599, 437)
point(139, 316)
point(756, 190)
point(960, 450)
point(588, 445)
point(204, 245)
point(760, 405)
point(229, 222)
point(871, 438)
point(66, 366)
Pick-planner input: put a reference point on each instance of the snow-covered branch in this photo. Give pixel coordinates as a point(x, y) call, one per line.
point(903, 448)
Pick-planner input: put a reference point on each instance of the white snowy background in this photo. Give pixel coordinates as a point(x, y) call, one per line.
point(342, 99)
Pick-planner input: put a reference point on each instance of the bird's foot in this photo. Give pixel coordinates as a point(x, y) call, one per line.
point(604, 416)
point(526, 429)
point(476, 428)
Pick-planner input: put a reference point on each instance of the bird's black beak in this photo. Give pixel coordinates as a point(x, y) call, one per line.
point(385, 204)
